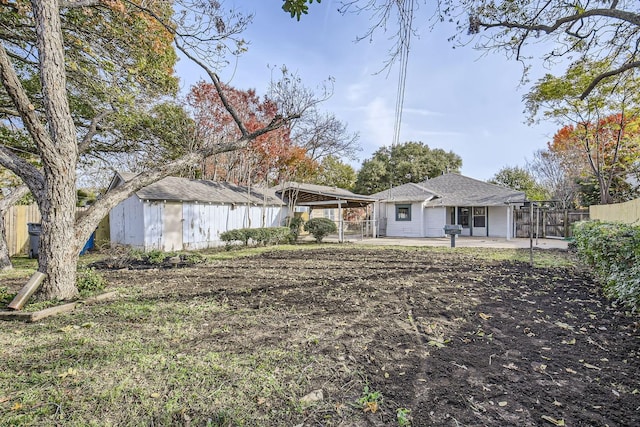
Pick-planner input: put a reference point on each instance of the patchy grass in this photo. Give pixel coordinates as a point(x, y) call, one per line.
point(241, 339)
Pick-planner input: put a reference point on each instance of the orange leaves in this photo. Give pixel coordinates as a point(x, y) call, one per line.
point(269, 157)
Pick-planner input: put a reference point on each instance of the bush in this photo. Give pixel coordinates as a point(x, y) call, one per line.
point(295, 226)
point(320, 228)
point(89, 280)
point(613, 251)
point(260, 236)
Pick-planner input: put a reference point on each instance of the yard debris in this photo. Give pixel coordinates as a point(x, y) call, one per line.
point(314, 396)
point(553, 421)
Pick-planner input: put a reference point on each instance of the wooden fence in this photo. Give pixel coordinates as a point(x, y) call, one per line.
point(17, 233)
point(15, 223)
point(554, 223)
point(627, 212)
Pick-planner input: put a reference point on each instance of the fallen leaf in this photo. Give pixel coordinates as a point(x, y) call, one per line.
point(571, 371)
point(155, 395)
point(485, 316)
point(371, 407)
point(16, 406)
point(590, 366)
point(553, 421)
point(502, 403)
point(572, 341)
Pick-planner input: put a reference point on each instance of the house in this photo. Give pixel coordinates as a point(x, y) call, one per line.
point(423, 209)
point(184, 214)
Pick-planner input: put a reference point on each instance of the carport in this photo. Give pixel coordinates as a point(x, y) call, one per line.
point(324, 197)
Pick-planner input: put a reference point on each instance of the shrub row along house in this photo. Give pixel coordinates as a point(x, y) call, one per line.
point(183, 214)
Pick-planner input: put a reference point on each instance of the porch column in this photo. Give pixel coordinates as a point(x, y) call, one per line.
point(509, 222)
point(374, 220)
point(340, 223)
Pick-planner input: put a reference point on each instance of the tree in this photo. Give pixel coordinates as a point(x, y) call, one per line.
point(269, 159)
point(403, 163)
point(46, 111)
point(602, 131)
point(595, 31)
point(334, 173)
point(601, 155)
point(556, 173)
point(520, 179)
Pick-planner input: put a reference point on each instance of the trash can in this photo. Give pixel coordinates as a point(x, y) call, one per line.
point(34, 229)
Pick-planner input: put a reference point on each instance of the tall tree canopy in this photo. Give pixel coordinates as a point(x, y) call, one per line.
point(66, 66)
point(600, 131)
point(520, 179)
point(403, 163)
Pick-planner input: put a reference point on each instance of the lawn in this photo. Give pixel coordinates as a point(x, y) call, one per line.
point(333, 335)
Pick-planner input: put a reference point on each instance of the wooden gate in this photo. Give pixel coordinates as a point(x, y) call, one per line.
point(547, 221)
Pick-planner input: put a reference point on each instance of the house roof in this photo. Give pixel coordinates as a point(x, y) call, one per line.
point(453, 189)
point(321, 195)
point(203, 191)
point(410, 192)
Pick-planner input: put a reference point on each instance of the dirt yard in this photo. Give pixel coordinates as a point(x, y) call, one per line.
point(404, 337)
point(456, 340)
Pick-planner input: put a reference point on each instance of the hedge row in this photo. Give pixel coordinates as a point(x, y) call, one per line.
point(258, 236)
point(613, 251)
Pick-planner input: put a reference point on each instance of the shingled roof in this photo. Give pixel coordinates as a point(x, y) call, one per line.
point(453, 189)
point(177, 189)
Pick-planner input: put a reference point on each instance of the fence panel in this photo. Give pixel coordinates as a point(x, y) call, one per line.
point(548, 222)
point(15, 222)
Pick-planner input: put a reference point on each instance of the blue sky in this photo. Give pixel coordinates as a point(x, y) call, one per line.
point(460, 100)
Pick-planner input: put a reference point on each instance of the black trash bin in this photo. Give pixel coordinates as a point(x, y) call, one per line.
point(34, 238)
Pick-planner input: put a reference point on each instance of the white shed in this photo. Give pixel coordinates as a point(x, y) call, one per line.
point(184, 214)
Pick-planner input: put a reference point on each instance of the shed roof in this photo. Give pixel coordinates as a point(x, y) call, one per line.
point(453, 189)
point(203, 191)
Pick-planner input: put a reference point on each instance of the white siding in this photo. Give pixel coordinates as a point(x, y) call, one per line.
point(411, 228)
point(126, 223)
point(435, 219)
point(498, 221)
point(153, 226)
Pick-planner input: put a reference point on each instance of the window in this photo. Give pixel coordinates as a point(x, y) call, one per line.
point(463, 217)
point(403, 212)
point(479, 218)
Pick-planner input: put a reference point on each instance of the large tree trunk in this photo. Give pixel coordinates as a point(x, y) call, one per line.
point(58, 246)
point(5, 261)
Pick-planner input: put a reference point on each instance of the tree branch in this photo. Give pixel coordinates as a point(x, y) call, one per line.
point(29, 174)
point(21, 101)
point(599, 78)
point(91, 132)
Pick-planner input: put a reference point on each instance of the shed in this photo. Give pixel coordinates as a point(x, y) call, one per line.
point(186, 214)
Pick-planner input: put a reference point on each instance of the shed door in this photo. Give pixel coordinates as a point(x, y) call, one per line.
point(173, 227)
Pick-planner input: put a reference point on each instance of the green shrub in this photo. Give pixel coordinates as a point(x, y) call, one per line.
point(295, 227)
point(259, 236)
point(88, 280)
point(320, 228)
point(613, 251)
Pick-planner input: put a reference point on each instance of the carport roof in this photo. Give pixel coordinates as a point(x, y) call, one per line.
point(322, 196)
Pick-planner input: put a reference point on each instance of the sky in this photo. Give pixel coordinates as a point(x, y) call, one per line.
point(461, 100)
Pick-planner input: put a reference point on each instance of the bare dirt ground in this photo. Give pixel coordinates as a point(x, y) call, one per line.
point(457, 340)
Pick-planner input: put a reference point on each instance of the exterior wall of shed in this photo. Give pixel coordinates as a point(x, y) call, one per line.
point(126, 223)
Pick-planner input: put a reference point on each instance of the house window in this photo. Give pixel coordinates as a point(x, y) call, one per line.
point(463, 217)
point(479, 217)
point(403, 212)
